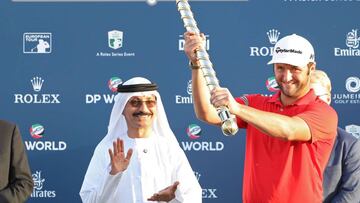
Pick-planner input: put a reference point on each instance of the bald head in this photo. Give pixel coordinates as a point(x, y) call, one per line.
point(321, 85)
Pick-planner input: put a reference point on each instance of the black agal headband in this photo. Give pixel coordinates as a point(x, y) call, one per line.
point(137, 88)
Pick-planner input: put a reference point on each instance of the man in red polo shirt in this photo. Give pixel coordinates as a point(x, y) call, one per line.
point(289, 135)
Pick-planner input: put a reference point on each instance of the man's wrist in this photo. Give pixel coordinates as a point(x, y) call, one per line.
point(192, 66)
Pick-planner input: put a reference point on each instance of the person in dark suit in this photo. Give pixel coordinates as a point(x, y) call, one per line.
point(16, 182)
point(342, 173)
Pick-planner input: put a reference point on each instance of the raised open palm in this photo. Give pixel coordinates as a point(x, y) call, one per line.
point(119, 162)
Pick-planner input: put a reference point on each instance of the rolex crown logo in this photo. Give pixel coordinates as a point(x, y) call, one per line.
point(37, 83)
point(273, 36)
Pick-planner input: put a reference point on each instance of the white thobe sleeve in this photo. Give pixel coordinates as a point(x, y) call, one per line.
point(99, 186)
point(189, 190)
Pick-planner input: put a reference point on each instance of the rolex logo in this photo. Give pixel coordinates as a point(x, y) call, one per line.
point(273, 36)
point(37, 98)
point(37, 83)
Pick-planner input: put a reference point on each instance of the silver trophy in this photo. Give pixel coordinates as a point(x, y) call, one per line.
point(228, 126)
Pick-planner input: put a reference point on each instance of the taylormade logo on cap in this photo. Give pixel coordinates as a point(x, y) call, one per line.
point(278, 49)
point(294, 50)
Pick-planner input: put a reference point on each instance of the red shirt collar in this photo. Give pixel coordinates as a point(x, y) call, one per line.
point(306, 99)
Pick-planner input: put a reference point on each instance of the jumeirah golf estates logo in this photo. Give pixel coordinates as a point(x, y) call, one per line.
point(352, 96)
point(193, 131)
point(113, 83)
point(37, 131)
point(352, 84)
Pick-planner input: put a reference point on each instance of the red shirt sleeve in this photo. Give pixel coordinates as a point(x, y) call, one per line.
point(322, 120)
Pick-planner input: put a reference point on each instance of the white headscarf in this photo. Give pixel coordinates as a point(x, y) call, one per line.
point(117, 125)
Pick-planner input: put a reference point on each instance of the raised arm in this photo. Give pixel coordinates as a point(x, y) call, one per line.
point(292, 128)
point(202, 106)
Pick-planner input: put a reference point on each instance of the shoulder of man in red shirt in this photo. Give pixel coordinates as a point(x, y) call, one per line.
point(322, 120)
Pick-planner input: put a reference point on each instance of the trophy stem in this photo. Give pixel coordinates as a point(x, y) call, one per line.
point(228, 126)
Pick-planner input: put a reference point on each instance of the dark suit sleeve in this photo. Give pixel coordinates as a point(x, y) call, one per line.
point(20, 179)
point(349, 189)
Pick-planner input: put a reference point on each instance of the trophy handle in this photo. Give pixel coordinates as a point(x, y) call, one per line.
point(228, 121)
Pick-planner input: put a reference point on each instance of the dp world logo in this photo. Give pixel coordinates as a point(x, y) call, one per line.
point(115, 39)
point(271, 84)
point(193, 131)
point(37, 131)
point(113, 83)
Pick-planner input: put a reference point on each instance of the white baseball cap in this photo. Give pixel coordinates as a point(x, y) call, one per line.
point(294, 50)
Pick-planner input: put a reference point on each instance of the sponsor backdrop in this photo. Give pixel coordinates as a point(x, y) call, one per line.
point(61, 61)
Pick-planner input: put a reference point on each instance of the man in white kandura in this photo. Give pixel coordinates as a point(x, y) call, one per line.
point(139, 160)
